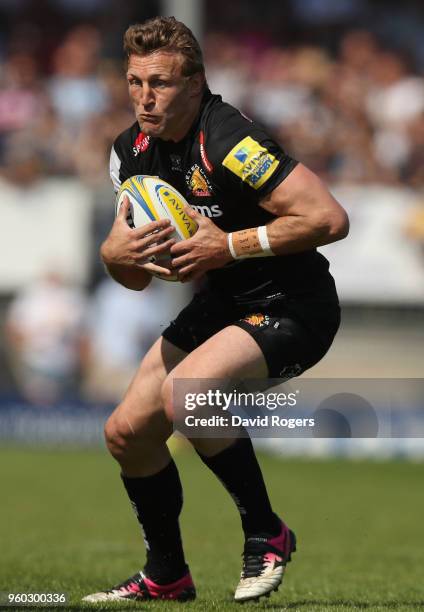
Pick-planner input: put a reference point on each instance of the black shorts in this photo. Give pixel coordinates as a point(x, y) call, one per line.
point(293, 331)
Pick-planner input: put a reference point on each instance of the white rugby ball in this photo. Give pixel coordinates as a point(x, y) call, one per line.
point(152, 199)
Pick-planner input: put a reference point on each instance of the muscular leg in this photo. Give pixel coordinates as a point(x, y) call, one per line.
point(231, 353)
point(136, 435)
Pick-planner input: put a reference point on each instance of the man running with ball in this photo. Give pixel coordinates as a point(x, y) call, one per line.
point(268, 306)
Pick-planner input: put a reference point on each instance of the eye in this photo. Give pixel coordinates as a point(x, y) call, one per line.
point(159, 84)
point(134, 81)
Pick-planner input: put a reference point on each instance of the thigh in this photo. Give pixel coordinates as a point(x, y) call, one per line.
point(230, 353)
point(141, 408)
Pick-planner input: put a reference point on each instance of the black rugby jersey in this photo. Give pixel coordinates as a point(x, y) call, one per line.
point(224, 166)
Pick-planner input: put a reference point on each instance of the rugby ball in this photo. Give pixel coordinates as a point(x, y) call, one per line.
point(152, 199)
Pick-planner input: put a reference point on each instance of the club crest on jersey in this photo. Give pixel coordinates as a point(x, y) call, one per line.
point(251, 162)
point(141, 143)
point(171, 200)
point(197, 182)
point(257, 319)
point(205, 160)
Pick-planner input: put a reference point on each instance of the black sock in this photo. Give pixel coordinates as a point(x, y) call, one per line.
point(157, 501)
point(238, 470)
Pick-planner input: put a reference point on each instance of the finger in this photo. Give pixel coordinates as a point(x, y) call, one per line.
point(180, 262)
point(124, 208)
point(155, 237)
point(192, 213)
point(143, 230)
point(186, 272)
point(157, 249)
point(154, 268)
point(184, 246)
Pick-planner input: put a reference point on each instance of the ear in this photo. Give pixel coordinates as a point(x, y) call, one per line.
point(196, 84)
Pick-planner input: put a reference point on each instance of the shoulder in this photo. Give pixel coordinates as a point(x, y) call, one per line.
point(125, 153)
point(226, 129)
point(221, 119)
point(241, 150)
point(124, 143)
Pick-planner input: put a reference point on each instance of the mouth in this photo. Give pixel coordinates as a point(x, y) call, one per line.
point(149, 119)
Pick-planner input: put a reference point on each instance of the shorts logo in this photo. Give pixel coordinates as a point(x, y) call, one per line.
point(198, 182)
point(257, 319)
point(251, 162)
point(141, 143)
point(291, 371)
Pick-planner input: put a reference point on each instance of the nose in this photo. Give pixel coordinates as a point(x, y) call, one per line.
point(147, 99)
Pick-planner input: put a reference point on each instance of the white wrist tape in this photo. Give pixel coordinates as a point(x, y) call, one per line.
point(252, 242)
point(231, 246)
point(263, 239)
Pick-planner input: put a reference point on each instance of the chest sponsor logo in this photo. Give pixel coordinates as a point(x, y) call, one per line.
point(198, 182)
point(141, 144)
point(208, 211)
point(251, 162)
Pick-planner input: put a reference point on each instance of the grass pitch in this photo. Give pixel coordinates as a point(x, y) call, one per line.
point(66, 525)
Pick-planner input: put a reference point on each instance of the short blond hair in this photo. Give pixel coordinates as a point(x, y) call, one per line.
point(167, 34)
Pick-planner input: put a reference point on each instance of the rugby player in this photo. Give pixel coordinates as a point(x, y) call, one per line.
point(268, 307)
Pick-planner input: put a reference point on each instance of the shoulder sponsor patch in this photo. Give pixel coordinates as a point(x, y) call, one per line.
point(251, 162)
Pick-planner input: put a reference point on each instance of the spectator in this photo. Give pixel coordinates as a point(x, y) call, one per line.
point(21, 93)
point(46, 335)
point(75, 88)
point(123, 326)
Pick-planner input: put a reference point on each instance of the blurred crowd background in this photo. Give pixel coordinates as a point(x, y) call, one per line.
point(339, 83)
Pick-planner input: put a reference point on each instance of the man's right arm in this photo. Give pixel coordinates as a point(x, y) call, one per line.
point(126, 251)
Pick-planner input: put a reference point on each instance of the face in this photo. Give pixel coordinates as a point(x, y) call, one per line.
point(163, 98)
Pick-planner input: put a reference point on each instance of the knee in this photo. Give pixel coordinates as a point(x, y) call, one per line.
point(121, 439)
point(127, 441)
point(118, 437)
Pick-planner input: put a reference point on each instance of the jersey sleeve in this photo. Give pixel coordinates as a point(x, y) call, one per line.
point(245, 157)
point(121, 166)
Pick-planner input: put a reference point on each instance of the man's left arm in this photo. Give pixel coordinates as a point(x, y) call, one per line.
point(307, 217)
